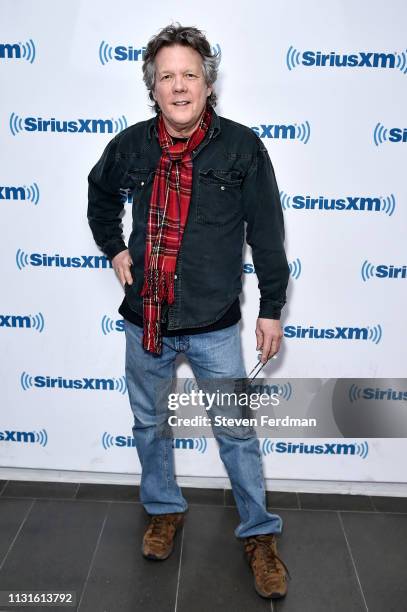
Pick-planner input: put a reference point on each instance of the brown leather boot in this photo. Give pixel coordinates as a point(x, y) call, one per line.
point(158, 540)
point(270, 572)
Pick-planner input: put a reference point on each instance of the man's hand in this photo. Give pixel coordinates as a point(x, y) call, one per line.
point(121, 264)
point(268, 334)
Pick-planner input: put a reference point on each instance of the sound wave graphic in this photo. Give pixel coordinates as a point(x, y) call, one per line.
point(107, 325)
point(295, 268)
point(285, 200)
point(190, 384)
point(105, 53)
point(22, 259)
point(200, 444)
point(267, 446)
point(120, 384)
point(26, 381)
point(375, 333)
point(107, 440)
point(28, 50)
point(37, 322)
point(16, 124)
point(32, 193)
point(292, 58)
point(119, 124)
point(354, 393)
point(41, 437)
point(362, 449)
point(401, 62)
point(368, 270)
point(285, 391)
point(217, 51)
point(380, 134)
point(303, 132)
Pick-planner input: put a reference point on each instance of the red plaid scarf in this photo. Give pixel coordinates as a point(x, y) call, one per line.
point(167, 217)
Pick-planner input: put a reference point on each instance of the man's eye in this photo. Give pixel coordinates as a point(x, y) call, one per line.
point(166, 77)
point(190, 75)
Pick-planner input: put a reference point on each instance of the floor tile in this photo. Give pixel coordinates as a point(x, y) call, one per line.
point(281, 499)
point(12, 513)
point(29, 488)
point(2, 485)
point(214, 574)
point(378, 543)
point(390, 504)
point(274, 499)
point(54, 547)
point(333, 501)
point(204, 496)
point(108, 492)
point(322, 574)
point(121, 579)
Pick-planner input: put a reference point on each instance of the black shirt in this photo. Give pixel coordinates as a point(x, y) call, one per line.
point(231, 316)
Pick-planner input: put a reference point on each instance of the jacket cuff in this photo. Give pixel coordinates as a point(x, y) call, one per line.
point(114, 247)
point(268, 310)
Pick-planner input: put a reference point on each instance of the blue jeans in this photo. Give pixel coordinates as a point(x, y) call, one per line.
point(211, 355)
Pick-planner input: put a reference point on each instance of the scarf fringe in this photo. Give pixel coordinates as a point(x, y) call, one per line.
point(158, 286)
point(152, 339)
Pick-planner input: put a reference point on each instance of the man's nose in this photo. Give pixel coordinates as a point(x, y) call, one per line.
point(179, 83)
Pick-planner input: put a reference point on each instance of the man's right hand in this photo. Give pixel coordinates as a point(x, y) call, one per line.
point(121, 264)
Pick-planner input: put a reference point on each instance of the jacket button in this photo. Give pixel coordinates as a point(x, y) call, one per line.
point(142, 183)
point(222, 187)
point(175, 276)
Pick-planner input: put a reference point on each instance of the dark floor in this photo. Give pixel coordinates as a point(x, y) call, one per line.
point(345, 552)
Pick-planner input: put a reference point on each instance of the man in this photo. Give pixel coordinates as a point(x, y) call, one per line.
point(196, 178)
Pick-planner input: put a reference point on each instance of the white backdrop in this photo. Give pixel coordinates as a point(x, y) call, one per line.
point(336, 133)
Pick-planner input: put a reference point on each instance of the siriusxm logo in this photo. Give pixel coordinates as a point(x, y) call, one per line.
point(372, 333)
point(196, 444)
point(346, 203)
point(293, 131)
point(356, 393)
point(17, 51)
point(128, 53)
point(382, 134)
point(360, 449)
point(23, 193)
point(294, 266)
point(109, 325)
point(25, 437)
point(79, 126)
point(361, 59)
point(23, 321)
point(76, 384)
point(120, 53)
point(59, 261)
point(369, 271)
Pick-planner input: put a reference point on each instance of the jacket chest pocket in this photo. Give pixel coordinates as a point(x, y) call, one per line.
point(142, 181)
point(219, 197)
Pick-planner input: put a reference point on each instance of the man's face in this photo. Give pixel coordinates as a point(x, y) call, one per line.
point(180, 88)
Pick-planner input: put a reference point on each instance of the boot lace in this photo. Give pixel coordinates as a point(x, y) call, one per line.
point(266, 560)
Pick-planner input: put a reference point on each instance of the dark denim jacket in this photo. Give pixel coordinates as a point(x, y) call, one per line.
point(233, 182)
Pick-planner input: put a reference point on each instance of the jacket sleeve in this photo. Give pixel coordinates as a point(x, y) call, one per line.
point(105, 202)
point(265, 233)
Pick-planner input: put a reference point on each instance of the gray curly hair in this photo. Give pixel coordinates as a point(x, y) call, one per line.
point(175, 34)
